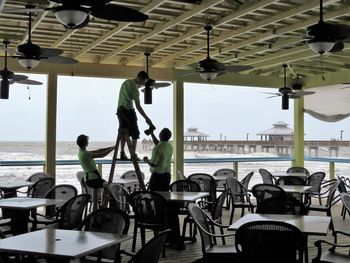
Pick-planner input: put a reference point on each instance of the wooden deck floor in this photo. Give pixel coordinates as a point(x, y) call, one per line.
point(193, 250)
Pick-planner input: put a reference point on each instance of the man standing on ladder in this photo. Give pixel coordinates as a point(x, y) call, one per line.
point(128, 93)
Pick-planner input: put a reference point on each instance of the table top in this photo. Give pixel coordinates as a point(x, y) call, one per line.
point(27, 202)
point(284, 174)
point(183, 196)
point(125, 181)
point(295, 188)
point(311, 225)
point(60, 243)
point(12, 185)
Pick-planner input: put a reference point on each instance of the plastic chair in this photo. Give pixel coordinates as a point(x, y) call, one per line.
point(119, 198)
point(107, 220)
point(270, 241)
point(277, 205)
point(266, 176)
point(150, 210)
point(131, 174)
point(246, 180)
point(345, 199)
point(207, 184)
point(290, 180)
point(240, 198)
point(264, 191)
point(41, 187)
point(85, 189)
point(221, 185)
point(34, 178)
point(297, 169)
point(315, 181)
point(331, 255)
point(212, 252)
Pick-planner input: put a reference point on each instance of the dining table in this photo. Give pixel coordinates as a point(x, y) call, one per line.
point(308, 225)
point(9, 187)
point(58, 245)
point(18, 209)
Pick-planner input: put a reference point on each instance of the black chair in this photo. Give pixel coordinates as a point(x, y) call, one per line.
point(62, 192)
point(315, 181)
point(150, 252)
point(345, 199)
point(86, 190)
point(150, 210)
point(32, 179)
point(41, 187)
point(264, 191)
point(221, 185)
point(277, 205)
point(246, 180)
point(270, 241)
point(119, 198)
point(297, 169)
point(212, 252)
point(266, 176)
point(70, 215)
point(207, 184)
point(239, 197)
point(185, 186)
point(290, 180)
point(107, 220)
point(329, 196)
point(343, 187)
point(331, 255)
point(131, 174)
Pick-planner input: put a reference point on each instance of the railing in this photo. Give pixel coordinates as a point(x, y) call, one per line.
point(234, 161)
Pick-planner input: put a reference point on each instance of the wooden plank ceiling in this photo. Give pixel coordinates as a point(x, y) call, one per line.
point(246, 32)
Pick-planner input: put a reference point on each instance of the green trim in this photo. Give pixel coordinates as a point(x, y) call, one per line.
point(298, 132)
point(178, 127)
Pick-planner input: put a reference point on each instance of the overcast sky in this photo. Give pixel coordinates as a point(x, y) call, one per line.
point(88, 105)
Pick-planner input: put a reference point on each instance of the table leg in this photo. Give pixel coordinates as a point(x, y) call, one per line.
point(306, 249)
point(19, 220)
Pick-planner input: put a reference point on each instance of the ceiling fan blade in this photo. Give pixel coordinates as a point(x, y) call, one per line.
point(29, 82)
point(61, 60)
point(277, 95)
point(93, 2)
point(158, 85)
point(304, 93)
point(22, 10)
point(50, 52)
point(188, 74)
point(9, 50)
point(272, 93)
point(16, 77)
point(237, 68)
point(338, 46)
point(35, 2)
point(294, 96)
point(118, 13)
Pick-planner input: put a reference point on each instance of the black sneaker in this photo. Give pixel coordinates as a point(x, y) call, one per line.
point(123, 156)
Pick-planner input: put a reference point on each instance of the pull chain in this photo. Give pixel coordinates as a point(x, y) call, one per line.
point(28, 88)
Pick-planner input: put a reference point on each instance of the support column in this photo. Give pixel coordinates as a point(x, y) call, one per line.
point(51, 113)
point(331, 170)
point(178, 128)
point(299, 132)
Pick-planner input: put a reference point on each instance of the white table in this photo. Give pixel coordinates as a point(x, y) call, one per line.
point(60, 245)
point(183, 196)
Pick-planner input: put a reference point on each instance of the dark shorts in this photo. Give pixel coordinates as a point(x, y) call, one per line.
point(128, 120)
point(95, 183)
point(159, 182)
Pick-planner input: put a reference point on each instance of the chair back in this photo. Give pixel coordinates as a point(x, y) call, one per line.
point(71, 213)
point(84, 188)
point(246, 180)
point(37, 176)
point(290, 180)
point(270, 241)
point(266, 176)
point(107, 220)
point(131, 174)
point(315, 181)
point(185, 186)
point(297, 169)
point(207, 184)
point(236, 189)
point(264, 191)
point(216, 213)
point(41, 187)
point(62, 192)
point(150, 209)
point(276, 205)
point(226, 172)
point(345, 199)
point(201, 220)
point(119, 197)
point(332, 189)
point(150, 252)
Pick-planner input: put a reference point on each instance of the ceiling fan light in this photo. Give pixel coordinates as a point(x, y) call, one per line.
point(321, 47)
point(208, 75)
point(4, 89)
point(28, 62)
point(71, 18)
point(285, 102)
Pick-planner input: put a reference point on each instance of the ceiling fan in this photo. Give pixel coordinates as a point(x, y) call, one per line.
point(75, 14)
point(8, 78)
point(151, 84)
point(209, 68)
point(29, 55)
point(289, 93)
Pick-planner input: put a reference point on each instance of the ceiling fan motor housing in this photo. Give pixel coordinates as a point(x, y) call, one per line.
point(29, 50)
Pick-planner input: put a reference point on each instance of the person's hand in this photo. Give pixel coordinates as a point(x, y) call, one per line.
point(145, 159)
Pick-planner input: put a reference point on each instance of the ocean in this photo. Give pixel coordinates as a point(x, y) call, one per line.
point(27, 151)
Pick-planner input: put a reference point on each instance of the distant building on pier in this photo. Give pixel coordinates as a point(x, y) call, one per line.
point(279, 132)
point(192, 134)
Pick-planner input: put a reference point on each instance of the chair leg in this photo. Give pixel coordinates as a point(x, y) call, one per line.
point(143, 236)
point(223, 238)
point(134, 239)
point(232, 214)
point(242, 213)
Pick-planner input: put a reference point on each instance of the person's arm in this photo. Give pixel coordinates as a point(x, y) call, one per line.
point(142, 112)
point(146, 160)
point(154, 138)
point(101, 152)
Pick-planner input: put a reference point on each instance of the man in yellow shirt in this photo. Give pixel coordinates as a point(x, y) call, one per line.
point(128, 95)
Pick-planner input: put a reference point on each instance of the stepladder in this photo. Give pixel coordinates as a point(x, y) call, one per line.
point(123, 133)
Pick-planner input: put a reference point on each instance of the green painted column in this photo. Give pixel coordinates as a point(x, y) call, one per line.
point(178, 129)
point(331, 170)
point(51, 112)
point(299, 132)
point(235, 168)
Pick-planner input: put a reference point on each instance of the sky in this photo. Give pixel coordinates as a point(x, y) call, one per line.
point(88, 105)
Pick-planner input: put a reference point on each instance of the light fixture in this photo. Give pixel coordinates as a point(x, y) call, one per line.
point(4, 89)
point(70, 17)
point(28, 62)
point(148, 91)
point(321, 47)
point(208, 75)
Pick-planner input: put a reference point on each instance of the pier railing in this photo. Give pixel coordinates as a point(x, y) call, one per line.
point(235, 162)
